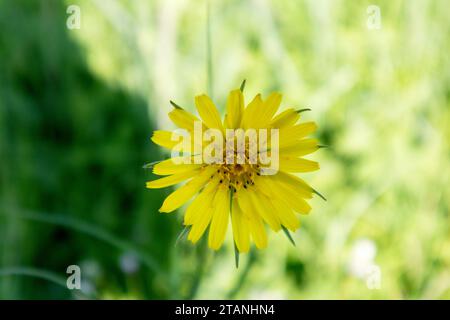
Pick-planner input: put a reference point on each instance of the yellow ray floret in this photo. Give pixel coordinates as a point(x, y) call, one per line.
point(234, 109)
point(240, 224)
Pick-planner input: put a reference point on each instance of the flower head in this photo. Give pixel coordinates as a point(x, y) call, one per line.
point(239, 169)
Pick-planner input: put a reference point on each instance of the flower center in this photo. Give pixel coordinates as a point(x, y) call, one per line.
point(238, 176)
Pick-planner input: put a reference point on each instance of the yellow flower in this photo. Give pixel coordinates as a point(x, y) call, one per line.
point(239, 190)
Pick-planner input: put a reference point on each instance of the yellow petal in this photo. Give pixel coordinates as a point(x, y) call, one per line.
point(269, 184)
point(258, 232)
point(183, 119)
point(174, 165)
point(241, 232)
point(174, 140)
point(219, 222)
point(290, 135)
point(171, 180)
point(197, 206)
point(235, 109)
point(264, 209)
point(301, 148)
point(164, 139)
point(286, 215)
point(256, 225)
point(204, 217)
point(294, 164)
point(275, 189)
point(179, 197)
point(286, 118)
point(293, 183)
point(269, 108)
point(258, 114)
point(208, 112)
point(251, 112)
point(297, 204)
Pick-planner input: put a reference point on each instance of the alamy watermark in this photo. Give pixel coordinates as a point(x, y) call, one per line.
point(74, 278)
point(373, 277)
point(74, 19)
point(373, 17)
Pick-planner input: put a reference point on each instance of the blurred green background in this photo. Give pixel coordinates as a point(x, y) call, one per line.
point(78, 106)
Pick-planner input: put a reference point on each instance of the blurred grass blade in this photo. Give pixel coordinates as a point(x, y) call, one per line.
point(34, 272)
point(89, 229)
point(38, 273)
point(182, 234)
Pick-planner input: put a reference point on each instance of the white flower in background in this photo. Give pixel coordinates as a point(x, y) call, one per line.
point(128, 263)
point(362, 257)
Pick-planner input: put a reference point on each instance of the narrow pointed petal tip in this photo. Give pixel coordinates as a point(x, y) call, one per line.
point(214, 246)
point(150, 165)
point(236, 256)
point(242, 87)
point(288, 235)
point(319, 194)
point(175, 105)
point(166, 207)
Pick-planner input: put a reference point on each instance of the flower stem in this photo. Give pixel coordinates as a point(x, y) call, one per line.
point(202, 251)
point(209, 64)
point(243, 276)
